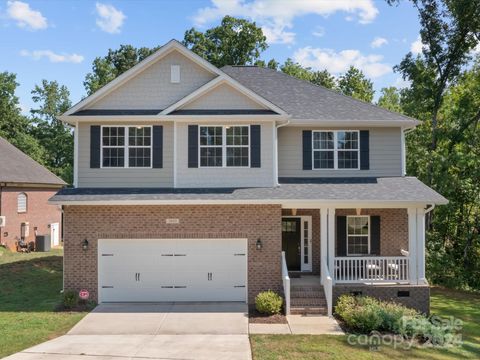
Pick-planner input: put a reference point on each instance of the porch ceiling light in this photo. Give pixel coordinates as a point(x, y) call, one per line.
point(359, 211)
point(294, 212)
point(85, 245)
point(259, 244)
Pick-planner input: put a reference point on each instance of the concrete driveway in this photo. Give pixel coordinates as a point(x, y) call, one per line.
point(173, 331)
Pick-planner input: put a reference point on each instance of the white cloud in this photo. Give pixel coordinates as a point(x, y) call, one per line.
point(53, 57)
point(378, 42)
point(110, 19)
point(416, 46)
point(338, 62)
point(276, 17)
point(319, 31)
point(25, 16)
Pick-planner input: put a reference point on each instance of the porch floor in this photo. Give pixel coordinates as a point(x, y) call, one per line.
point(305, 280)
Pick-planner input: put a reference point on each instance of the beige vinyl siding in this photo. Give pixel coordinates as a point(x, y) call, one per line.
point(223, 97)
point(385, 154)
point(152, 88)
point(118, 177)
point(226, 177)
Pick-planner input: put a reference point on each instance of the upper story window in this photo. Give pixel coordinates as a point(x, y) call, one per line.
point(358, 235)
point(126, 146)
point(337, 149)
point(22, 203)
point(222, 146)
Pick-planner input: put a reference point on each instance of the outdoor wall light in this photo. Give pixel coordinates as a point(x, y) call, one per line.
point(85, 245)
point(259, 244)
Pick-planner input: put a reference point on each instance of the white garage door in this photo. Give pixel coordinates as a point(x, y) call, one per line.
point(172, 270)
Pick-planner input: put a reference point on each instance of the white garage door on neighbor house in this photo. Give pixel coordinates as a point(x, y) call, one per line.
point(155, 270)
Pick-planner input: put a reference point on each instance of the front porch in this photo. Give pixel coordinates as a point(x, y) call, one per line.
point(376, 251)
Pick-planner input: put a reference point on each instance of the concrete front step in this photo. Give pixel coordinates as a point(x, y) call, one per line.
point(306, 288)
point(308, 302)
point(308, 310)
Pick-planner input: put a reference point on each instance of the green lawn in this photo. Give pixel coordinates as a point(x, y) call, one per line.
point(462, 305)
point(30, 287)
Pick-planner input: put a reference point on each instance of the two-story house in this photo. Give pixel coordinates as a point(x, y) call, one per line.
point(194, 183)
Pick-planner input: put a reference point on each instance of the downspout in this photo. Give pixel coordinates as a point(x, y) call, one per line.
point(427, 210)
point(276, 150)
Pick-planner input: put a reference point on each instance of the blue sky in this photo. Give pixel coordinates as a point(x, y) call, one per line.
point(58, 40)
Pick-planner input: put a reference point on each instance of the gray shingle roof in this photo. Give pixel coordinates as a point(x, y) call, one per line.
point(304, 100)
point(374, 190)
point(120, 112)
point(16, 167)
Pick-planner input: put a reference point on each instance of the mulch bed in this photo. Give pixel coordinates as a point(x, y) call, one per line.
point(255, 317)
point(80, 307)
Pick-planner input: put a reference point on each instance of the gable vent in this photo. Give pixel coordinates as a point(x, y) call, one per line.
point(175, 74)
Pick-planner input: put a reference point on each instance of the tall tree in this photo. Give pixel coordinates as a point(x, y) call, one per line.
point(324, 78)
point(272, 64)
point(115, 63)
point(390, 99)
point(15, 127)
point(450, 30)
point(56, 137)
point(296, 70)
point(233, 42)
point(354, 83)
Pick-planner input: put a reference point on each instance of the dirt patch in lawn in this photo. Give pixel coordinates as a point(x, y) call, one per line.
point(255, 317)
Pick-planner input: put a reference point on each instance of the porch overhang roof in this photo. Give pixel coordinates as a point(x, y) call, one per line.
point(392, 192)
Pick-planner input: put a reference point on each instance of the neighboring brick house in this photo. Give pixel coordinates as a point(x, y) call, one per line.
point(25, 187)
point(193, 183)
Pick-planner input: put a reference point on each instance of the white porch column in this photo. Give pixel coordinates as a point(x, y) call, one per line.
point(421, 246)
point(331, 241)
point(323, 238)
point(412, 244)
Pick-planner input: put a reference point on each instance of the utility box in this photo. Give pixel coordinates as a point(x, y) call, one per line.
point(42, 243)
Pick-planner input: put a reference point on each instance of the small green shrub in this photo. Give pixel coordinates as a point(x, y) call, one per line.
point(268, 302)
point(392, 315)
point(70, 299)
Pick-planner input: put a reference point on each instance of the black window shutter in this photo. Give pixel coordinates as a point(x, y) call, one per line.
point(193, 146)
point(341, 236)
point(95, 146)
point(157, 147)
point(255, 147)
point(364, 150)
point(375, 235)
point(307, 150)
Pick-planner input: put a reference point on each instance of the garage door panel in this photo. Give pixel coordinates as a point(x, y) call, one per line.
point(173, 270)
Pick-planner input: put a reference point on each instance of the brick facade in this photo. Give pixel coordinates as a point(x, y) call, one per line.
point(39, 214)
point(135, 222)
point(418, 295)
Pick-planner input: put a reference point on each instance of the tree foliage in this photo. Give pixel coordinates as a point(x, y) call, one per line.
point(56, 137)
point(354, 83)
point(233, 42)
point(390, 99)
point(115, 63)
point(15, 127)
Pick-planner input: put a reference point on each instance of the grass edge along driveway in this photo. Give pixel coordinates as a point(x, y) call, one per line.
point(444, 303)
point(30, 287)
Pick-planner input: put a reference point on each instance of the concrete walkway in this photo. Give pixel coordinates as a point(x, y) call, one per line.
point(299, 324)
point(170, 331)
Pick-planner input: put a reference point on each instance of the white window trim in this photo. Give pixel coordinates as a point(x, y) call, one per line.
point(368, 236)
point(336, 150)
point(26, 203)
point(126, 147)
point(224, 147)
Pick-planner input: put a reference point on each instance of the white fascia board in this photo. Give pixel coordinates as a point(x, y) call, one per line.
point(297, 204)
point(72, 120)
point(212, 84)
point(141, 66)
point(406, 124)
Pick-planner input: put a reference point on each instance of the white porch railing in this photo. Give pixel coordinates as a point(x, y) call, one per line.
point(286, 284)
point(327, 285)
point(371, 269)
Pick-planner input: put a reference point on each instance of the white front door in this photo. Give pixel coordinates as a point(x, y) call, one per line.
point(172, 270)
point(54, 235)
